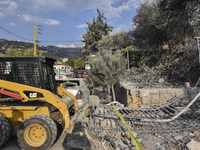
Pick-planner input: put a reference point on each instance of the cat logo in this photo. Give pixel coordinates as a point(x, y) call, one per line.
point(32, 95)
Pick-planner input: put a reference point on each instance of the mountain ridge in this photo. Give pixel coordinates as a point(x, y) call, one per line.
point(59, 52)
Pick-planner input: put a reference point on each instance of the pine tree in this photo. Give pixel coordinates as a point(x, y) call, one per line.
point(95, 31)
point(107, 69)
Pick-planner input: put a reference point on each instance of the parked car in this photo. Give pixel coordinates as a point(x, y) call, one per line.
point(79, 96)
point(81, 74)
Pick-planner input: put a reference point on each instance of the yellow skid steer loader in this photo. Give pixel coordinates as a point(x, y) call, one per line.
point(31, 104)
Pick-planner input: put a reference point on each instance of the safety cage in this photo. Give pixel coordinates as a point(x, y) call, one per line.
point(32, 71)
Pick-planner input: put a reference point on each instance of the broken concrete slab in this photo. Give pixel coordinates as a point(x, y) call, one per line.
point(193, 145)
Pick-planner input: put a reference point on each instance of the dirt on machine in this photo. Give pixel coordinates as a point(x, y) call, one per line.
point(31, 104)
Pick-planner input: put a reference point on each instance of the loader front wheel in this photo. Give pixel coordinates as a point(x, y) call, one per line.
point(37, 132)
point(5, 130)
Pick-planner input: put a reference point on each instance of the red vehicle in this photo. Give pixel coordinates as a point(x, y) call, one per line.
point(81, 74)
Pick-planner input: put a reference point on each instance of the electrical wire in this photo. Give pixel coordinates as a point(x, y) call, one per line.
point(15, 34)
point(33, 40)
point(22, 10)
point(60, 41)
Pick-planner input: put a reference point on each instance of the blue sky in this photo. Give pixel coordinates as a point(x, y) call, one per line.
point(63, 21)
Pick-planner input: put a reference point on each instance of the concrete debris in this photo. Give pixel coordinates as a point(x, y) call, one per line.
point(196, 133)
point(178, 137)
point(152, 141)
point(149, 77)
point(145, 77)
point(193, 145)
point(94, 99)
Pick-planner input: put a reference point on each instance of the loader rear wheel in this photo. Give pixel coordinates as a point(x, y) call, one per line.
point(37, 132)
point(5, 130)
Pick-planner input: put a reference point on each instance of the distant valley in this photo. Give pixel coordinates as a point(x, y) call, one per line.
point(51, 51)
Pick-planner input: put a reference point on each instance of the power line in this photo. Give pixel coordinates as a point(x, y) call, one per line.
point(33, 40)
point(59, 41)
point(15, 34)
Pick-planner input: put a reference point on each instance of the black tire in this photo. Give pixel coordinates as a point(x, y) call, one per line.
point(37, 132)
point(5, 130)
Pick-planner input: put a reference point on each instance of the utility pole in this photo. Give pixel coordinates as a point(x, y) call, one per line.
point(35, 40)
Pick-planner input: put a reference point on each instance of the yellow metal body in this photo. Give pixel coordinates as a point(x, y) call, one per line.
point(62, 92)
point(16, 114)
point(35, 135)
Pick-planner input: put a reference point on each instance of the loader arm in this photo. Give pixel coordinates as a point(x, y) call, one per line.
point(62, 92)
point(28, 93)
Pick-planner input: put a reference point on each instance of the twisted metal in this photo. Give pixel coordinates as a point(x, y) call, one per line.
point(174, 115)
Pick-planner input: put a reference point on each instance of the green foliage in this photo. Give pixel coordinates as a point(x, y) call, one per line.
point(162, 29)
point(78, 62)
point(106, 68)
point(166, 22)
point(115, 42)
point(95, 31)
point(15, 52)
point(180, 19)
point(147, 22)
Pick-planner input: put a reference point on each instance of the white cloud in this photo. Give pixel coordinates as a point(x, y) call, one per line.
point(7, 7)
point(82, 26)
point(65, 46)
point(121, 28)
point(111, 8)
point(39, 20)
point(12, 24)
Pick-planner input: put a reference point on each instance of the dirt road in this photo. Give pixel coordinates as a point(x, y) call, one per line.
point(12, 144)
point(76, 140)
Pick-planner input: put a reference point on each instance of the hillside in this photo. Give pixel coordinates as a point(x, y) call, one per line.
point(52, 51)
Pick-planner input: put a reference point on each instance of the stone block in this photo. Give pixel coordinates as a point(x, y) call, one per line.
point(133, 101)
point(193, 145)
point(155, 98)
point(94, 99)
point(133, 93)
point(146, 101)
point(163, 96)
point(145, 106)
point(171, 93)
point(154, 91)
point(179, 92)
point(187, 84)
point(144, 93)
point(167, 96)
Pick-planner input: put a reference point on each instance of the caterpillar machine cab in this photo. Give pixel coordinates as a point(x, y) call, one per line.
point(31, 104)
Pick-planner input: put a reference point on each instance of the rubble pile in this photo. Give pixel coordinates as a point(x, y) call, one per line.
point(145, 77)
point(170, 140)
point(186, 140)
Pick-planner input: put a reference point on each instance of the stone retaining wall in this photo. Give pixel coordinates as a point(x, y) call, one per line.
point(148, 97)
